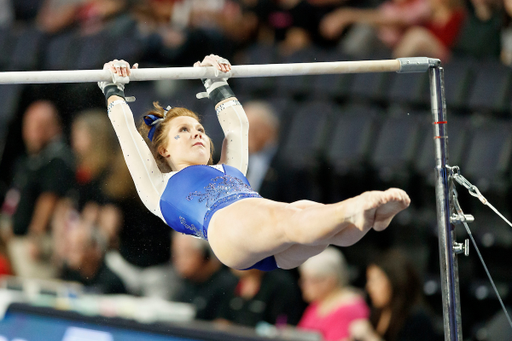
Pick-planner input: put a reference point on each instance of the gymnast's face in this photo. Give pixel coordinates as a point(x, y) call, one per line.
point(187, 144)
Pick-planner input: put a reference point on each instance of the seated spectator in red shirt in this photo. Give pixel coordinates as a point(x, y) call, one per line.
point(373, 30)
point(5, 263)
point(436, 37)
point(333, 303)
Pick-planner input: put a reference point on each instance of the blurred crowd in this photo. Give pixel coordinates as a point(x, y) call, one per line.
point(72, 214)
point(70, 210)
point(177, 31)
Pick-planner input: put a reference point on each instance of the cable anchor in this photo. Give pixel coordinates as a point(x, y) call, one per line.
point(461, 217)
point(459, 248)
point(457, 219)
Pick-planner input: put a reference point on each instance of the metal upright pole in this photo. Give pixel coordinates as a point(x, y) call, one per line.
point(448, 260)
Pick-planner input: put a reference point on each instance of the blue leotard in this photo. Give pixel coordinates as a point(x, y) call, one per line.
point(195, 193)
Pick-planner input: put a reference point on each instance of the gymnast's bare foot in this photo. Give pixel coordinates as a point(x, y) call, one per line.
point(397, 200)
point(379, 208)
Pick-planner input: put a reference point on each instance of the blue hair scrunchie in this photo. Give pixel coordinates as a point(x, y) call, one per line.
point(153, 121)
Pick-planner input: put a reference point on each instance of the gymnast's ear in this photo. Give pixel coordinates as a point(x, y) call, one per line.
point(164, 152)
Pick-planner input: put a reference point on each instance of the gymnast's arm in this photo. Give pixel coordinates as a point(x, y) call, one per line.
point(148, 179)
point(234, 123)
point(231, 115)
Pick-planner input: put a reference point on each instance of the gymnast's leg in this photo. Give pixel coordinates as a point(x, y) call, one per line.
point(356, 216)
point(297, 254)
point(252, 229)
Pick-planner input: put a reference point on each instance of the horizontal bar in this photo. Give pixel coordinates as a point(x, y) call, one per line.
point(237, 71)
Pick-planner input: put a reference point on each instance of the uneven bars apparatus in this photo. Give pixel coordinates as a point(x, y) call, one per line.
point(447, 252)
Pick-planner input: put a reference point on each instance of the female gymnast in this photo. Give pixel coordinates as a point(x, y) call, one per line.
point(175, 178)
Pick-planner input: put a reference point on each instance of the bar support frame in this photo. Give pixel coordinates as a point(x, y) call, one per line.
point(444, 206)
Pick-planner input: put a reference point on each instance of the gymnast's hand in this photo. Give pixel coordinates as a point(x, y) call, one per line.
point(120, 71)
point(120, 68)
point(221, 64)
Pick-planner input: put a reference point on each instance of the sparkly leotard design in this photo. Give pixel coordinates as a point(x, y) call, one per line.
point(195, 193)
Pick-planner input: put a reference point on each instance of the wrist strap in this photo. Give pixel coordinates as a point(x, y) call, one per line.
point(221, 93)
point(111, 90)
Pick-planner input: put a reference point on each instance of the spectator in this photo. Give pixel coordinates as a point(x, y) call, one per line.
point(263, 139)
point(270, 19)
point(88, 134)
point(272, 297)
point(226, 17)
point(267, 173)
point(290, 24)
point(90, 16)
point(305, 27)
point(5, 263)
point(57, 15)
point(437, 36)
point(206, 283)
point(26, 10)
point(85, 260)
point(41, 177)
point(97, 15)
point(397, 311)
point(6, 13)
point(374, 30)
point(171, 35)
point(92, 141)
point(105, 192)
point(141, 243)
point(506, 35)
point(480, 34)
point(333, 303)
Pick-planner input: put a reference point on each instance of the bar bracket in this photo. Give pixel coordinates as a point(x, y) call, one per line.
point(459, 248)
point(417, 64)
